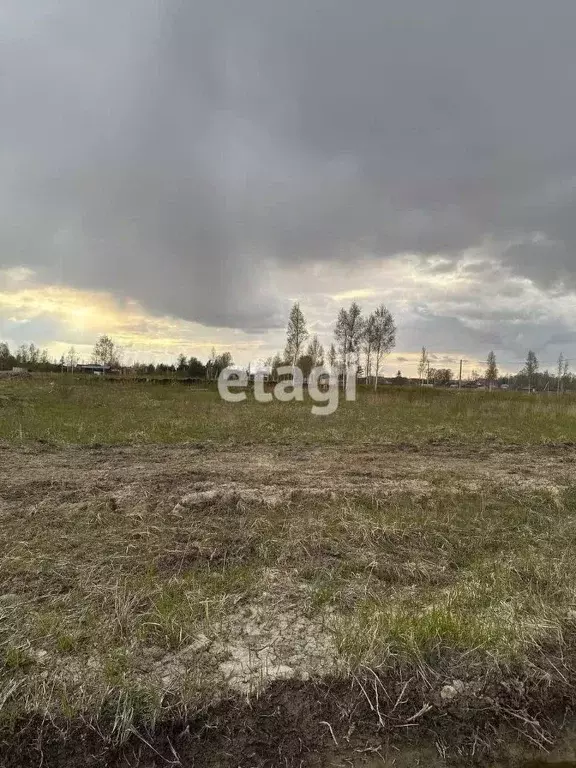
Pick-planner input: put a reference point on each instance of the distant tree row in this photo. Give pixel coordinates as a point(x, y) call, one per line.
point(360, 343)
point(107, 353)
point(190, 367)
point(529, 377)
point(25, 356)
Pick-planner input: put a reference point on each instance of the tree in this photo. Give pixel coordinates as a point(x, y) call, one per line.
point(423, 364)
point(531, 368)
point(22, 357)
point(491, 375)
point(181, 363)
point(225, 360)
point(441, 376)
point(341, 335)
point(296, 334)
point(384, 338)
point(348, 333)
point(210, 365)
point(106, 352)
point(195, 368)
point(368, 342)
point(71, 359)
point(218, 363)
point(6, 359)
point(565, 373)
point(276, 362)
point(399, 379)
point(560, 372)
point(315, 351)
point(332, 356)
point(33, 354)
point(306, 363)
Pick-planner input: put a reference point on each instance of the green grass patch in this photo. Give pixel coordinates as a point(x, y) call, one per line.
point(88, 411)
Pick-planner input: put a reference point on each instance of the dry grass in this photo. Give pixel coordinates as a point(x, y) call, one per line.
point(131, 613)
point(152, 592)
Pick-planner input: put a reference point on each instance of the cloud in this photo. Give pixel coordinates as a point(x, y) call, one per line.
point(190, 156)
point(58, 317)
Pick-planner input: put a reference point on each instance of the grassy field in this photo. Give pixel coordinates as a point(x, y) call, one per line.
point(88, 410)
point(392, 585)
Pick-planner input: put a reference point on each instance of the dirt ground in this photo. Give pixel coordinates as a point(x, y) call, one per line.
point(190, 476)
point(263, 473)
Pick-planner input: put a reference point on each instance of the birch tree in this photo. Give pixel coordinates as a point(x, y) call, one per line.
point(560, 372)
point(296, 334)
point(491, 375)
point(368, 343)
point(332, 357)
point(72, 359)
point(315, 351)
point(384, 338)
point(348, 333)
point(531, 367)
point(106, 352)
point(423, 364)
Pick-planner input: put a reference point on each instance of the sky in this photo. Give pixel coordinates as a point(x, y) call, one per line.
point(176, 173)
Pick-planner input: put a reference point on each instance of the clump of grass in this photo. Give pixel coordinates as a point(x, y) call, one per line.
point(17, 657)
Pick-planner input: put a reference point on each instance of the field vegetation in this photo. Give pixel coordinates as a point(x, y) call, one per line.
point(88, 410)
point(190, 582)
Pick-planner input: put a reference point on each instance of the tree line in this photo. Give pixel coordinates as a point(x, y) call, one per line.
point(27, 356)
point(108, 354)
point(529, 377)
point(361, 343)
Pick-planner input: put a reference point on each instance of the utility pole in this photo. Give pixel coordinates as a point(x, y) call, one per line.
point(460, 376)
point(428, 373)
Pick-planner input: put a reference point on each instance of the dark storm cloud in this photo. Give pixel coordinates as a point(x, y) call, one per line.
point(174, 151)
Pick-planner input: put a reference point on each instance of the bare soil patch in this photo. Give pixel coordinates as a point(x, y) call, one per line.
point(273, 605)
point(199, 474)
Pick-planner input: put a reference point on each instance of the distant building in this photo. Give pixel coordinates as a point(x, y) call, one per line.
point(97, 370)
